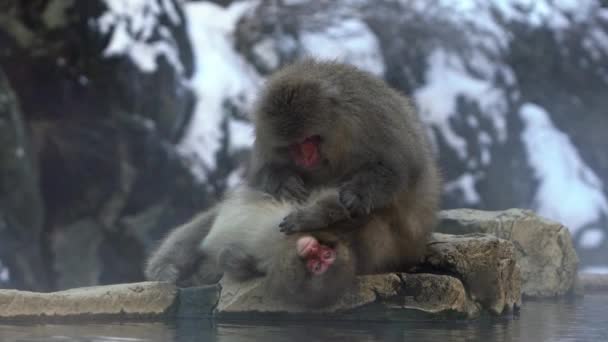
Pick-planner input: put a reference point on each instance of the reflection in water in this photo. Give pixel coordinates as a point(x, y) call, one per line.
point(583, 319)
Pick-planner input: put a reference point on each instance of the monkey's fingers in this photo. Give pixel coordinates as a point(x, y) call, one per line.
point(287, 226)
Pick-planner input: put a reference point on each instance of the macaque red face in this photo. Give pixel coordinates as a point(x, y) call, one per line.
point(306, 153)
point(318, 257)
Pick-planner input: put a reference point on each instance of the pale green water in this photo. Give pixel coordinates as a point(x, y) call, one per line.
point(584, 319)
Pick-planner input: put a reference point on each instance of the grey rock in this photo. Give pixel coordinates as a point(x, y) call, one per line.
point(543, 248)
point(389, 296)
point(485, 264)
point(147, 299)
point(481, 272)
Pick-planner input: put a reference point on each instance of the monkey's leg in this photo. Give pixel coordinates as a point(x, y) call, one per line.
point(370, 187)
point(281, 182)
point(179, 252)
point(236, 262)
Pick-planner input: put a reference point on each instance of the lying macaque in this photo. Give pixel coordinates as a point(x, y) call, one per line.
point(312, 268)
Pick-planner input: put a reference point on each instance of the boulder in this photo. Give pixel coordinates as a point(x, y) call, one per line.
point(543, 248)
point(485, 264)
point(383, 297)
point(479, 271)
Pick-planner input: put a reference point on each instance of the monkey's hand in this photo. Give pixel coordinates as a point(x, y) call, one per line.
point(283, 185)
point(302, 220)
point(355, 200)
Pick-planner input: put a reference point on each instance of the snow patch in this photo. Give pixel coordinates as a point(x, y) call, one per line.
point(349, 41)
point(554, 14)
point(171, 11)
point(132, 24)
point(446, 81)
point(569, 191)
point(466, 185)
point(595, 269)
point(592, 238)
point(4, 274)
point(221, 74)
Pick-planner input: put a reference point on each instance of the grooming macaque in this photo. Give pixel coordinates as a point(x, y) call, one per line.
point(320, 124)
point(342, 182)
point(310, 269)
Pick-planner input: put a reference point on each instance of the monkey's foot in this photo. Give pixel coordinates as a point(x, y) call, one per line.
point(318, 257)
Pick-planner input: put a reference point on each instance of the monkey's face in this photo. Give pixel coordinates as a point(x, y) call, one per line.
point(295, 119)
point(307, 153)
point(318, 258)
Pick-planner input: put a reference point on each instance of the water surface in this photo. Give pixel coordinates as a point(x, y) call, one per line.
point(582, 319)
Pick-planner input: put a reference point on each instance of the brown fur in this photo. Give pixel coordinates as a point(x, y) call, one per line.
point(377, 164)
point(374, 147)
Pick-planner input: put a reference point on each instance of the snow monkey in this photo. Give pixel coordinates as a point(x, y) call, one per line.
point(337, 132)
point(311, 268)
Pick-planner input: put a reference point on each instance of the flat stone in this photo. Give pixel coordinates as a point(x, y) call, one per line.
point(543, 248)
point(485, 264)
point(434, 294)
point(124, 300)
point(384, 297)
point(251, 296)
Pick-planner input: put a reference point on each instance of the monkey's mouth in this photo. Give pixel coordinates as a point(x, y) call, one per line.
point(306, 153)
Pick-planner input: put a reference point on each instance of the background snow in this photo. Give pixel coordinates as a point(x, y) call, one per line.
point(568, 189)
point(133, 24)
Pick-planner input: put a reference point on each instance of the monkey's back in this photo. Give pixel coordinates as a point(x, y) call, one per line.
point(395, 237)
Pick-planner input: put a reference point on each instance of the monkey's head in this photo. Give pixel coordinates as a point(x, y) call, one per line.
point(318, 257)
point(313, 270)
point(298, 118)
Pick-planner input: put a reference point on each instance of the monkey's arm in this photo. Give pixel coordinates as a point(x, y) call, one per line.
point(370, 187)
point(322, 210)
point(179, 252)
point(281, 182)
